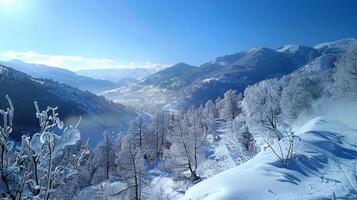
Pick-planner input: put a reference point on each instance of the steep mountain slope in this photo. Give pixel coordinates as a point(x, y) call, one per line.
point(98, 114)
point(62, 76)
point(323, 167)
point(117, 75)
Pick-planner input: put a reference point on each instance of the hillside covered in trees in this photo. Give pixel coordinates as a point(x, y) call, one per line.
point(167, 152)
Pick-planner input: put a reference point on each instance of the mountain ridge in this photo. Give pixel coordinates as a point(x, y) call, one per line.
point(61, 75)
point(98, 114)
point(197, 85)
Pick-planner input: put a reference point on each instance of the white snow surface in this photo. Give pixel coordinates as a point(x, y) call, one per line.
point(164, 188)
point(323, 166)
point(289, 48)
point(105, 190)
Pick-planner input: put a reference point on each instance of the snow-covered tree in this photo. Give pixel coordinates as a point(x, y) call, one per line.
point(101, 163)
point(297, 96)
point(219, 105)
point(229, 105)
point(186, 140)
point(131, 167)
point(343, 81)
point(210, 110)
point(159, 129)
point(138, 130)
point(261, 105)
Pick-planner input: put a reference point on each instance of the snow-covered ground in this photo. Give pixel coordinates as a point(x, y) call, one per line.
point(323, 167)
point(103, 191)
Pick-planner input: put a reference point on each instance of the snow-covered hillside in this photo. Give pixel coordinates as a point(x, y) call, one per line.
point(98, 114)
point(323, 166)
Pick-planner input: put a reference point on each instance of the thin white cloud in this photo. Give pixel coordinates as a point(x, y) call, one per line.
point(75, 63)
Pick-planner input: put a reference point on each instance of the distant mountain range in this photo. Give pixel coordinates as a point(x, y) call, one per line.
point(196, 85)
point(118, 75)
point(98, 114)
point(62, 76)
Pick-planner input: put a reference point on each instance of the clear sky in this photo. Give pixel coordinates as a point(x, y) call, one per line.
point(78, 34)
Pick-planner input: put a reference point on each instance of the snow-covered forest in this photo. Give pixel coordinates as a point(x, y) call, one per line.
point(196, 153)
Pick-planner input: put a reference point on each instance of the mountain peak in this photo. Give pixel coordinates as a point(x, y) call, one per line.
point(291, 48)
point(255, 50)
point(178, 67)
point(182, 64)
point(173, 73)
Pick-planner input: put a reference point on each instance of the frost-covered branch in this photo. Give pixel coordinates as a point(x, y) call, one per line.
point(32, 170)
point(284, 159)
point(6, 147)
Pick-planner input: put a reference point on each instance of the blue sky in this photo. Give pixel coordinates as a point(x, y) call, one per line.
point(150, 33)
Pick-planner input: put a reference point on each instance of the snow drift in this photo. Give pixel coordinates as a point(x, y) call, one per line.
point(323, 167)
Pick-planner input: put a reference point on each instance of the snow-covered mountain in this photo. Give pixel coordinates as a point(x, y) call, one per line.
point(117, 75)
point(98, 114)
point(197, 85)
point(62, 76)
point(174, 77)
point(237, 72)
point(232, 70)
point(323, 167)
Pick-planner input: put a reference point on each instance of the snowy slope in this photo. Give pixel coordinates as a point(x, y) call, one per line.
point(324, 166)
point(336, 44)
